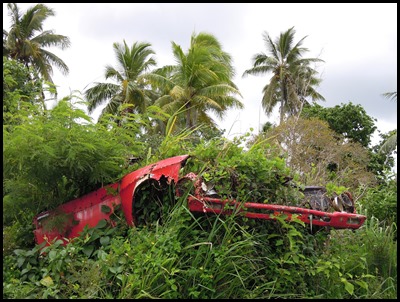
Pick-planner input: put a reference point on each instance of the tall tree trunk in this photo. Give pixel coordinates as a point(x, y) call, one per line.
point(283, 102)
point(188, 116)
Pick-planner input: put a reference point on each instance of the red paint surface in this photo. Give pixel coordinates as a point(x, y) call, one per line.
point(86, 210)
point(337, 220)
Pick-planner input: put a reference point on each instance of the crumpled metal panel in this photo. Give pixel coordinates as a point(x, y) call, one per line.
point(87, 210)
point(168, 168)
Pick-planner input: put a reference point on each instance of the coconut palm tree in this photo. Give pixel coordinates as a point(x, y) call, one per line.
point(130, 86)
point(293, 79)
point(391, 142)
point(200, 82)
point(26, 40)
point(5, 50)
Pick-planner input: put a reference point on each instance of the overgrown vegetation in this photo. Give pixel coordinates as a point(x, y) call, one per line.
point(51, 156)
point(176, 254)
point(208, 257)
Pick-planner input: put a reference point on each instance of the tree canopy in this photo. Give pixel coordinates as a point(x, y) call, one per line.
point(348, 119)
point(293, 78)
point(26, 41)
point(199, 83)
point(129, 84)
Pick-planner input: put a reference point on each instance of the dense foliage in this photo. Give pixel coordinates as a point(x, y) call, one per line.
point(53, 155)
point(60, 155)
point(195, 256)
point(348, 119)
point(320, 155)
point(208, 257)
point(19, 91)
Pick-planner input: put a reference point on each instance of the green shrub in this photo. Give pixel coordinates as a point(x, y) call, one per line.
point(381, 202)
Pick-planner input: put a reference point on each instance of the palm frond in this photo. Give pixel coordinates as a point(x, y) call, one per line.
point(54, 60)
point(390, 144)
point(48, 39)
point(391, 95)
point(99, 94)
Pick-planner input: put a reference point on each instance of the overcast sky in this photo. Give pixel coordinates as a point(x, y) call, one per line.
point(358, 43)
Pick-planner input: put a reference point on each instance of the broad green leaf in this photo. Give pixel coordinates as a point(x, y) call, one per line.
point(348, 286)
point(279, 242)
point(88, 250)
point(47, 281)
point(104, 240)
point(105, 209)
point(101, 224)
point(362, 284)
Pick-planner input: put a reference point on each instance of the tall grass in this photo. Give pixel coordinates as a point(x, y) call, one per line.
point(190, 256)
point(366, 261)
point(195, 256)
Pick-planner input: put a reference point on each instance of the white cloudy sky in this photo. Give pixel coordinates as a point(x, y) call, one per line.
point(358, 43)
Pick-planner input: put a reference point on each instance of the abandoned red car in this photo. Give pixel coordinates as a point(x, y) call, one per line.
point(88, 210)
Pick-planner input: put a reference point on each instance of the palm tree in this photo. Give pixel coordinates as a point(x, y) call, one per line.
point(130, 85)
point(200, 82)
point(5, 51)
point(391, 142)
point(26, 41)
point(292, 81)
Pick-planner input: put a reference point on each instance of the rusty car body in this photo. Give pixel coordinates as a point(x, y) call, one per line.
point(88, 210)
